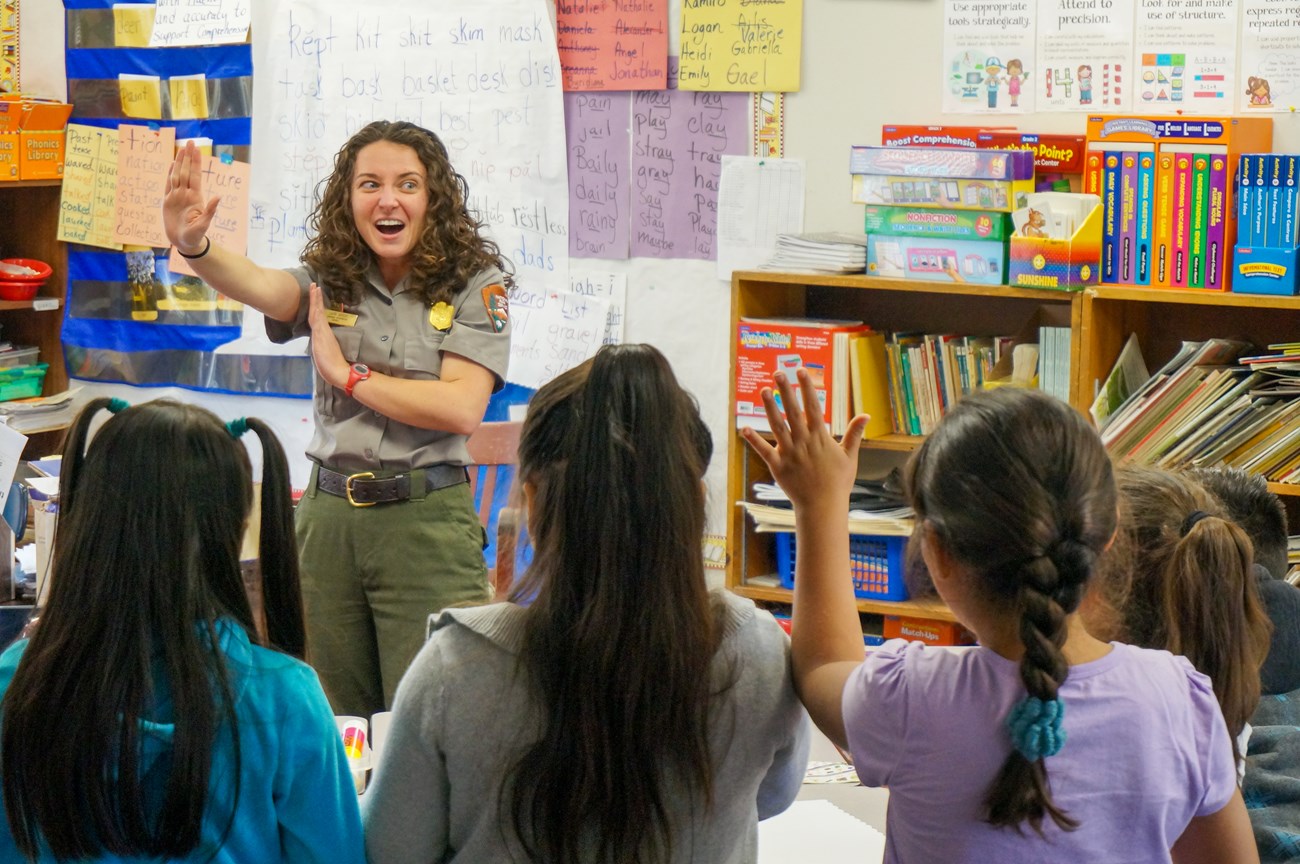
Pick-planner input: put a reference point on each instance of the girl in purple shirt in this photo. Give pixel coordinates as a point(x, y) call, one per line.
point(1044, 743)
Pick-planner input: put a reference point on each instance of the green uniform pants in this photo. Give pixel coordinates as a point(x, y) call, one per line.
point(371, 576)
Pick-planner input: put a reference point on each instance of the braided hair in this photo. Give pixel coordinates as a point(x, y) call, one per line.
point(1016, 486)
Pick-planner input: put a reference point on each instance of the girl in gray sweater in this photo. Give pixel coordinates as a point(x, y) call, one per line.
point(625, 714)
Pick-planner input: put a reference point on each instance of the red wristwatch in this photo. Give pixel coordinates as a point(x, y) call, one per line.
point(357, 373)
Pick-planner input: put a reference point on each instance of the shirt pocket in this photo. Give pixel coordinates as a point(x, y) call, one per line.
point(422, 355)
point(331, 400)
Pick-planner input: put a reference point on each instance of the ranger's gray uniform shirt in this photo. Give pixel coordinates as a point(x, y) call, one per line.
point(394, 336)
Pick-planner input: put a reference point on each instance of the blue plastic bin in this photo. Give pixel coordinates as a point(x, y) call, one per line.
point(877, 564)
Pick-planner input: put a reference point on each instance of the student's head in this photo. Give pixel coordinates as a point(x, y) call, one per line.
point(397, 174)
point(1249, 502)
point(1191, 586)
point(145, 582)
point(1015, 491)
point(612, 455)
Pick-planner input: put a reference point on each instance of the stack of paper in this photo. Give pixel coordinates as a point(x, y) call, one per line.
point(830, 252)
point(896, 523)
point(30, 415)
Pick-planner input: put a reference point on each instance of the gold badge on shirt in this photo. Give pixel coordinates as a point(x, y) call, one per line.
point(440, 315)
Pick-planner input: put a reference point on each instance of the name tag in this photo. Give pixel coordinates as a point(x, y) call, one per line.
point(340, 318)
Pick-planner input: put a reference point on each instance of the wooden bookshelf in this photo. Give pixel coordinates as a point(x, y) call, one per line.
point(1100, 320)
point(29, 214)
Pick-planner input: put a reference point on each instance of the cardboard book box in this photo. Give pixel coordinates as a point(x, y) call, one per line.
point(32, 137)
point(941, 177)
point(1059, 264)
point(1268, 230)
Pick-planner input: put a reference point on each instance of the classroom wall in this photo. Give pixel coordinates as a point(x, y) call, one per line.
point(865, 63)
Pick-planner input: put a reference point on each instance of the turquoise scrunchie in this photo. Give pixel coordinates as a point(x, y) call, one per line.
point(1035, 727)
point(115, 405)
point(237, 427)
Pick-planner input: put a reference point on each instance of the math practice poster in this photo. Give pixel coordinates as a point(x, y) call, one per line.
point(988, 57)
point(1085, 49)
point(1186, 56)
point(1270, 56)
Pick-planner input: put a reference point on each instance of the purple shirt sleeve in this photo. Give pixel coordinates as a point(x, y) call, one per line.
point(874, 706)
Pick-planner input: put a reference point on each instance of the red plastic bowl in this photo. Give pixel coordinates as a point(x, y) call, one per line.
point(42, 269)
point(19, 290)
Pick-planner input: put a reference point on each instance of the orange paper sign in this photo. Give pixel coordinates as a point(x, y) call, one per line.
point(143, 157)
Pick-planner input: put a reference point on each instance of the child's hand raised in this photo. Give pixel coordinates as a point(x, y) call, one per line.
point(807, 462)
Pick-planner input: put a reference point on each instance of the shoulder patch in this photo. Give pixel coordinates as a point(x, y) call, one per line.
point(498, 306)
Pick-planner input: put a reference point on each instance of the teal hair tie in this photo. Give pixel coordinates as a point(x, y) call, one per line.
point(115, 404)
point(1035, 727)
point(237, 427)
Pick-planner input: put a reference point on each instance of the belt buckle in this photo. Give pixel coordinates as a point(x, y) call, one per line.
point(347, 488)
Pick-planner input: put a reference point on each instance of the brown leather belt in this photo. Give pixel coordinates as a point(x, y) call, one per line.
point(365, 489)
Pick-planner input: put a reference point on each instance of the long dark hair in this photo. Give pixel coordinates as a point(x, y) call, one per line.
point(451, 248)
point(146, 561)
point(1016, 486)
point(1192, 589)
point(620, 637)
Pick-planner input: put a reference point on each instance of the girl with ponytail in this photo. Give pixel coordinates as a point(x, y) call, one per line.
point(1043, 743)
point(145, 718)
point(626, 714)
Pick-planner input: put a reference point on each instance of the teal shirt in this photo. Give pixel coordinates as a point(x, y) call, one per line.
point(297, 802)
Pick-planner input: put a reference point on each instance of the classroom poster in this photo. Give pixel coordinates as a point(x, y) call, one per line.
point(229, 180)
point(596, 128)
point(1085, 48)
point(752, 48)
point(1270, 56)
point(988, 57)
point(613, 46)
point(88, 199)
point(609, 287)
point(9, 46)
point(484, 77)
point(1186, 56)
point(200, 22)
point(678, 141)
point(553, 331)
point(144, 156)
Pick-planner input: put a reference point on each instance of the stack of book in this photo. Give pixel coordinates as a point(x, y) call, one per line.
point(40, 413)
point(831, 252)
point(1210, 405)
point(930, 372)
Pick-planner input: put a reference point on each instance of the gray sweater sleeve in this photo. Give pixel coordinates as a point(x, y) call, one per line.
point(404, 812)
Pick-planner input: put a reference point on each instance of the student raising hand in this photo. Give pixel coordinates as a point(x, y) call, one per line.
point(817, 472)
point(1042, 743)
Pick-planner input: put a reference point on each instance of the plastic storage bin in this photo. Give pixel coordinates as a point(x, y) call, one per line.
point(21, 355)
point(22, 382)
point(877, 564)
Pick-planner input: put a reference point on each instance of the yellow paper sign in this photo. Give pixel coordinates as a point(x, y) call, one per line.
point(133, 24)
point(756, 49)
point(86, 210)
point(229, 229)
point(141, 96)
point(440, 315)
point(143, 157)
point(341, 318)
point(189, 97)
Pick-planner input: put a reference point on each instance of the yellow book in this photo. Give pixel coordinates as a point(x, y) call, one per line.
point(870, 375)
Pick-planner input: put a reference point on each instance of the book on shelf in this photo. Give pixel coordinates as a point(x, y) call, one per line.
point(869, 377)
point(769, 518)
point(1156, 397)
point(765, 346)
point(39, 412)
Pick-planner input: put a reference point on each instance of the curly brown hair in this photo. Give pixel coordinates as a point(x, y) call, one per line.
point(450, 249)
